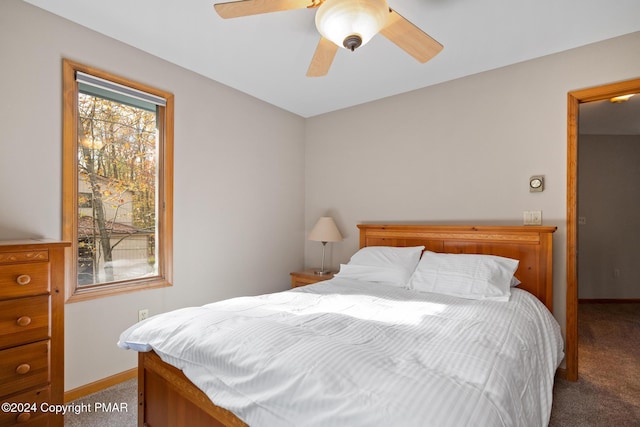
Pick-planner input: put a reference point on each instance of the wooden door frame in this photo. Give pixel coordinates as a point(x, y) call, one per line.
point(574, 99)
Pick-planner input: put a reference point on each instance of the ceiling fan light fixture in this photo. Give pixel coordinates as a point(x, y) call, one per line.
point(351, 23)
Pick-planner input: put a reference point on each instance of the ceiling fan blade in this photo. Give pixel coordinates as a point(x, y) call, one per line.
point(410, 38)
point(322, 58)
point(236, 9)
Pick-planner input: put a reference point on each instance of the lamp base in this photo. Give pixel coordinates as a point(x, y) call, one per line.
point(321, 272)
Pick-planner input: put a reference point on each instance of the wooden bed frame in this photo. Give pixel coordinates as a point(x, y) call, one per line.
point(167, 398)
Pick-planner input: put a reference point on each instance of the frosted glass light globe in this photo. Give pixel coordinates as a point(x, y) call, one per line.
point(351, 23)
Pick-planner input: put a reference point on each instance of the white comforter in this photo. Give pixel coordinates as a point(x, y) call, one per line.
point(348, 353)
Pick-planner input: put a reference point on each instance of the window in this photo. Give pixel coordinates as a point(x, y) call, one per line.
point(117, 183)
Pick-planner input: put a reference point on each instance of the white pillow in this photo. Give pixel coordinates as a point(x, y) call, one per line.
point(393, 265)
point(465, 275)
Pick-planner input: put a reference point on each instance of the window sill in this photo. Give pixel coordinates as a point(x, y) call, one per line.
point(115, 289)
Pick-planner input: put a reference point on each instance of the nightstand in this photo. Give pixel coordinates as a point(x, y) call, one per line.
point(308, 277)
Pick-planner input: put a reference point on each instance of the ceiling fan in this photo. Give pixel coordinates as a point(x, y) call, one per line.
point(347, 23)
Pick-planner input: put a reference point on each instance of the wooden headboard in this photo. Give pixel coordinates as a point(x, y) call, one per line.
point(531, 245)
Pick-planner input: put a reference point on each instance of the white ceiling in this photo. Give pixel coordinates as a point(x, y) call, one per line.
point(267, 55)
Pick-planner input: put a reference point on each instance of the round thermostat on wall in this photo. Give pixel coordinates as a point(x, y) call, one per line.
point(536, 183)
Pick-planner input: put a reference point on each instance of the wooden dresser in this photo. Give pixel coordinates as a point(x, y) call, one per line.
point(31, 332)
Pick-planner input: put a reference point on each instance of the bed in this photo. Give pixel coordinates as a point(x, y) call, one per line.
point(494, 366)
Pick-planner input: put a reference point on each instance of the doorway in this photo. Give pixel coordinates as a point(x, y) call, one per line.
point(574, 99)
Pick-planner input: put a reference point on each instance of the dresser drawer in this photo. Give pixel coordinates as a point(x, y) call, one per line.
point(24, 320)
point(24, 367)
point(27, 417)
point(26, 279)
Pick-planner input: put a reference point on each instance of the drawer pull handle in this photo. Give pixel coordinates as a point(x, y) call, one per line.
point(23, 417)
point(23, 369)
point(23, 321)
point(23, 279)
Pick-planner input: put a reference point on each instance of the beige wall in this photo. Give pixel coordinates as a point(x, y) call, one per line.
point(608, 200)
point(239, 179)
point(461, 151)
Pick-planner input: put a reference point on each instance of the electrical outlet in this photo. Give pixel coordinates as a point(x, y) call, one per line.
point(143, 314)
point(532, 217)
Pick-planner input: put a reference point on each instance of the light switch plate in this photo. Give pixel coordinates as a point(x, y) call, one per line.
point(532, 217)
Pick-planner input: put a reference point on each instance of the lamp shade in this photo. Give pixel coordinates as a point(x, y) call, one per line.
point(337, 20)
point(325, 230)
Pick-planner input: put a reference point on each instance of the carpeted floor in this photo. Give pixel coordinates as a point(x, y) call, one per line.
point(607, 394)
point(608, 391)
point(113, 407)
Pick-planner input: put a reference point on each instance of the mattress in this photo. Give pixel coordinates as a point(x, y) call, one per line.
point(352, 353)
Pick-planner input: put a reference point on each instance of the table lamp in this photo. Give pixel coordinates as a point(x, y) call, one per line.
point(325, 231)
